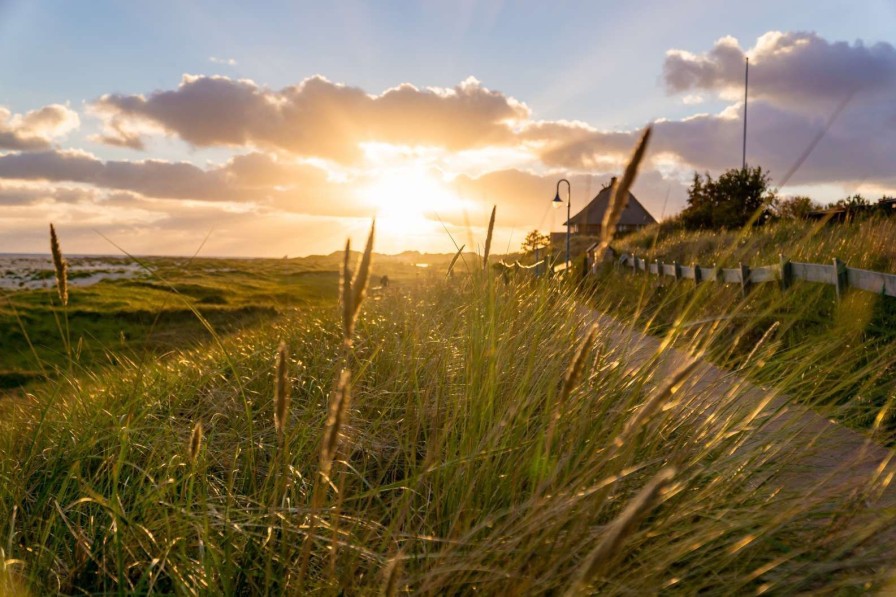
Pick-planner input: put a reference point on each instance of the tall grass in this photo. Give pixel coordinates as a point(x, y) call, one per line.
point(838, 355)
point(440, 481)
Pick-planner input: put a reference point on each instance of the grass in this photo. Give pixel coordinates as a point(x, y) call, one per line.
point(840, 356)
point(142, 317)
point(486, 448)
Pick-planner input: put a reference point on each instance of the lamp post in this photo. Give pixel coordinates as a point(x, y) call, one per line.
point(557, 202)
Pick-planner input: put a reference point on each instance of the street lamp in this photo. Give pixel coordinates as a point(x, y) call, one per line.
point(557, 202)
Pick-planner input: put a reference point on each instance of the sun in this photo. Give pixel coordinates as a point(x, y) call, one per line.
point(409, 200)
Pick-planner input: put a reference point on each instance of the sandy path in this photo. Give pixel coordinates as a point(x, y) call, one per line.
point(810, 454)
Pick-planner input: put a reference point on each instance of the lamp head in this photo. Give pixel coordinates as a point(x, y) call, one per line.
point(557, 202)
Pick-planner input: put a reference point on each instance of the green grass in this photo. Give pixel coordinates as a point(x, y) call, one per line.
point(465, 464)
point(152, 314)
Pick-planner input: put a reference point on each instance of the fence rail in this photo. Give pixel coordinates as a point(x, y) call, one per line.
point(837, 274)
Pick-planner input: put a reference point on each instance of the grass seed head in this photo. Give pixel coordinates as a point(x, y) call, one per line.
point(348, 309)
point(574, 371)
point(619, 194)
point(281, 397)
point(359, 284)
point(606, 552)
point(195, 442)
point(488, 238)
point(338, 412)
point(61, 266)
point(454, 260)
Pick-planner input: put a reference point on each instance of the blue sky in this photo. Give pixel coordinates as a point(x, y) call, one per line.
point(601, 64)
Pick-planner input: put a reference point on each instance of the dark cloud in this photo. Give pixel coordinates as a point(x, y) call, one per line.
point(315, 118)
point(36, 129)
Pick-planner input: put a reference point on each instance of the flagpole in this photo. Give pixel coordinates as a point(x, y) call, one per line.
point(746, 85)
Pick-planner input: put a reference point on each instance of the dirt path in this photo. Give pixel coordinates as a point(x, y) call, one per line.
point(810, 454)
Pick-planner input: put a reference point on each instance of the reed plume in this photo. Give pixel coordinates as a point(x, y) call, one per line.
point(348, 309)
point(281, 394)
point(195, 442)
point(60, 265)
point(339, 405)
point(574, 371)
point(488, 238)
point(657, 397)
point(606, 552)
point(620, 191)
point(454, 260)
point(354, 287)
point(359, 283)
point(391, 576)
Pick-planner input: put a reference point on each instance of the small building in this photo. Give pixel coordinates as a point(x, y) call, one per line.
point(590, 219)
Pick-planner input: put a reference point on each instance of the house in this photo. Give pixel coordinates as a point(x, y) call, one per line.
point(590, 219)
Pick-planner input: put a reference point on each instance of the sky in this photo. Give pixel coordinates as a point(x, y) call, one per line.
point(281, 128)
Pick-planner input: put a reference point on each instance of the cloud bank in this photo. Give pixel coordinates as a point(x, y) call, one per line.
point(320, 149)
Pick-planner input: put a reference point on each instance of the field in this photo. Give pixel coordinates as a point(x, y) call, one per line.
point(122, 309)
point(455, 435)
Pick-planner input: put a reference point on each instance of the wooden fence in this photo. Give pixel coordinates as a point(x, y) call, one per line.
point(837, 274)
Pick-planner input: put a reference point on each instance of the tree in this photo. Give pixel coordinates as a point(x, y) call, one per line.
point(738, 197)
point(796, 208)
point(535, 241)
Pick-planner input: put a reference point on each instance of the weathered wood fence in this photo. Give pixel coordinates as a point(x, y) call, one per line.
point(837, 274)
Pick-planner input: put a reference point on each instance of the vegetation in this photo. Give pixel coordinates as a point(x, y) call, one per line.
point(173, 303)
point(849, 346)
point(464, 461)
point(740, 196)
point(458, 434)
point(534, 242)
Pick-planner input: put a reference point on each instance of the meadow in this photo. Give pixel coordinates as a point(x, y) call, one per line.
point(442, 435)
point(162, 304)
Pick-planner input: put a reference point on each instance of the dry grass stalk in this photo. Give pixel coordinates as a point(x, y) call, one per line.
point(606, 552)
point(359, 284)
point(195, 442)
point(658, 397)
point(488, 238)
point(354, 288)
point(574, 371)
point(392, 575)
point(454, 260)
point(339, 405)
point(619, 196)
point(348, 308)
point(61, 266)
point(281, 393)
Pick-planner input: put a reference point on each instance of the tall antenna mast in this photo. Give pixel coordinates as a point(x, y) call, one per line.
point(746, 86)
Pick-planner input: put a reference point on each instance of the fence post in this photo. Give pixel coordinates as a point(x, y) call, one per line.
point(744, 279)
point(716, 271)
point(786, 272)
point(676, 269)
point(840, 279)
point(696, 273)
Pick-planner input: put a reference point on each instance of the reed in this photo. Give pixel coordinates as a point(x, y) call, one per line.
point(60, 265)
point(620, 192)
point(281, 392)
point(607, 551)
point(454, 261)
point(195, 442)
point(488, 238)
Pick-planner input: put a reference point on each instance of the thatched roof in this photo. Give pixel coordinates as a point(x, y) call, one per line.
point(593, 214)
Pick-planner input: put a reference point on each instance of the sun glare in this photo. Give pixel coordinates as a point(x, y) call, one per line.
point(409, 201)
